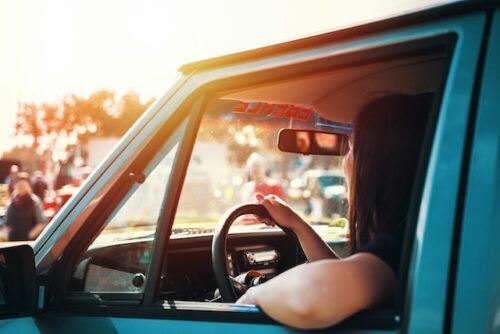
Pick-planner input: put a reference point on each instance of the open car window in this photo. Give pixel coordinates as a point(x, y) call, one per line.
point(236, 151)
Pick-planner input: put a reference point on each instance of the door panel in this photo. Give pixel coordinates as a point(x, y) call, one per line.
point(81, 324)
point(431, 255)
point(476, 305)
point(19, 325)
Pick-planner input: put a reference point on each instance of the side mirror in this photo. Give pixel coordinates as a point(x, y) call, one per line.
point(18, 287)
point(313, 142)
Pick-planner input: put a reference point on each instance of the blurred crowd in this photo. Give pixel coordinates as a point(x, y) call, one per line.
point(29, 202)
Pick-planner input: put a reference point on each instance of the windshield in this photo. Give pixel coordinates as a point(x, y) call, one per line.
point(236, 156)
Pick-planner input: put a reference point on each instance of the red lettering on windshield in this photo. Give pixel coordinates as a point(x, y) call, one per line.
point(240, 107)
point(292, 111)
point(289, 111)
point(254, 107)
point(267, 109)
point(279, 110)
point(304, 114)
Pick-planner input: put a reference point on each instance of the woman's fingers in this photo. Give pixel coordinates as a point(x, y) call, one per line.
point(267, 202)
point(268, 221)
point(270, 199)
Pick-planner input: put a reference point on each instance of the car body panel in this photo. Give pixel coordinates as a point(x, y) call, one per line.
point(83, 324)
point(428, 12)
point(428, 277)
point(476, 302)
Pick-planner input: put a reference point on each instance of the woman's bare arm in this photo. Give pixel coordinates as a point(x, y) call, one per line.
point(314, 247)
point(323, 293)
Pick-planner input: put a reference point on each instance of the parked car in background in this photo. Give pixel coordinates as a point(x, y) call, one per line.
point(323, 192)
point(111, 260)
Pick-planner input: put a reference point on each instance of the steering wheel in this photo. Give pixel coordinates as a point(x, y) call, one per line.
point(219, 253)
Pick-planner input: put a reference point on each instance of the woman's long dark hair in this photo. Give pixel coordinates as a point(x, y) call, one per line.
point(388, 134)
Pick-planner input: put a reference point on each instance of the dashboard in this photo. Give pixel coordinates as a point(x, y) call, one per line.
point(187, 272)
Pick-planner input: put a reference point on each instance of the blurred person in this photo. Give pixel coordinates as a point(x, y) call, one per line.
point(40, 185)
point(303, 141)
point(24, 216)
point(258, 181)
point(11, 178)
point(63, 175)
point(326, 141)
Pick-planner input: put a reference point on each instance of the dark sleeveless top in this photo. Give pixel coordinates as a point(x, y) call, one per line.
point(388, 247)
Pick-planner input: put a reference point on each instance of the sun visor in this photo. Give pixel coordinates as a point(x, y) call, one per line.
point(339, 94)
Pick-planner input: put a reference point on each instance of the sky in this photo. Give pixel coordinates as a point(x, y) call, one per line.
point(51, 48)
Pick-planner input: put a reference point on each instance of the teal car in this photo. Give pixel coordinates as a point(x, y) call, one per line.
point(323, 192)
point(138, 250)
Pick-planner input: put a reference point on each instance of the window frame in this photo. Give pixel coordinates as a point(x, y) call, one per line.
point(118, 193)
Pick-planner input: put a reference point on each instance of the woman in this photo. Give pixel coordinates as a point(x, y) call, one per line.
point(24, 213)
point(380, 167)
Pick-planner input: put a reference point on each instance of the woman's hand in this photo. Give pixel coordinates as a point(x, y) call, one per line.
point(281, 212)
point(313, 246)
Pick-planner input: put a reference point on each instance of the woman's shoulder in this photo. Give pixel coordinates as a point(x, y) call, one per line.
point(387, 246)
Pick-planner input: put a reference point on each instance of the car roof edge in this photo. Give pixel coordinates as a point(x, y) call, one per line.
point(393, 21)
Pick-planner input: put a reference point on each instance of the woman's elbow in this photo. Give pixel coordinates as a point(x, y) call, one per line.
point(312, 310)
point(313, 317)
point(329, 297)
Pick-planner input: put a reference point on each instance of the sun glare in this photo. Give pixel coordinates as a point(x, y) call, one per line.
point(53, 48)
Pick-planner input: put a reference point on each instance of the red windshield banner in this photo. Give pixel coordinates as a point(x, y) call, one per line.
point(289, 111)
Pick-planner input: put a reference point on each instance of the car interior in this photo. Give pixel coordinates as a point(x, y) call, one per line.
point(335, 93)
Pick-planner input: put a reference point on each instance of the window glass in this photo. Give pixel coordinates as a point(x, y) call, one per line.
point(236, 155)
point(118, 259)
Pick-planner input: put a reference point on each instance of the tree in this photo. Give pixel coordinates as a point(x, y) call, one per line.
point(84, 117)
point(129, 109)
point(29, 123)
point(75, 119)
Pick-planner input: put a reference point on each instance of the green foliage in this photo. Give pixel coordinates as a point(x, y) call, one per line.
point(339, 222)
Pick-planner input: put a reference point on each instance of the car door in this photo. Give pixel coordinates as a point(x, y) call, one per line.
point(171, 126)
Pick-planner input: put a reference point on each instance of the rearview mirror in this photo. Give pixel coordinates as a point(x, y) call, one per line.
point(313, 142)
point(18, 287)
